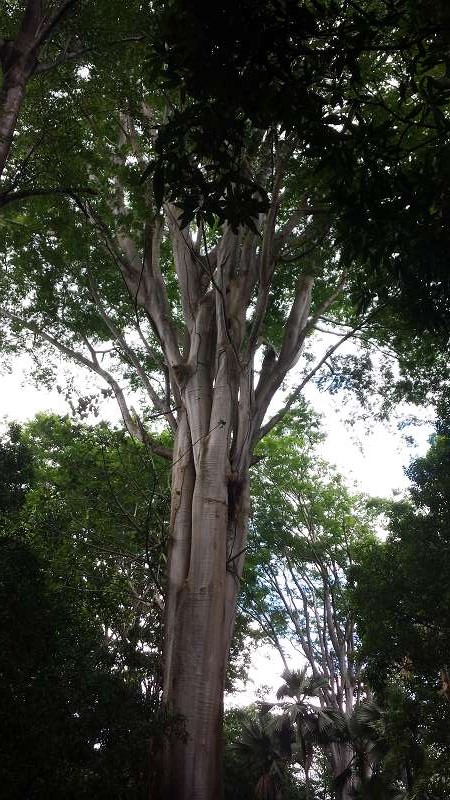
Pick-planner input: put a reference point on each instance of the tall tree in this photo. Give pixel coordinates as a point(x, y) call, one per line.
point(209, 337)
point(305, 533)
point(206, 323)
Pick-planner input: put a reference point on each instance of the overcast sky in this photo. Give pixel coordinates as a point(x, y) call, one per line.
point(374, 459)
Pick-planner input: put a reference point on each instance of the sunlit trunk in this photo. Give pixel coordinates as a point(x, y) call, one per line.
point(222, 402)
point(195, 639)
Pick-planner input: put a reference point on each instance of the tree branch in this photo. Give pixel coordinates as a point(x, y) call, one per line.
point(130, 353)
point(67, 55)
point(294, 396)
point(92, 364)
point(69, 191)
point(47, 25)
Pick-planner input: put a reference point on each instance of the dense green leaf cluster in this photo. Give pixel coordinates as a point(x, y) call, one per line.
point(401, 599)
point(80, 632)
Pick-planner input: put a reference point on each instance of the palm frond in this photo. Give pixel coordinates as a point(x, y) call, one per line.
point(366, 721)
point(294, 682)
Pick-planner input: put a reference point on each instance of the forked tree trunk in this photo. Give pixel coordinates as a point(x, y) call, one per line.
point(218, 424)
point(208, 528)
point(221, 404)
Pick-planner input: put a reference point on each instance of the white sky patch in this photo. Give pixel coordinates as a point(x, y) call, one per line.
point(84, 72)
point(21, 399)
point(265, 671)
point(372, 461)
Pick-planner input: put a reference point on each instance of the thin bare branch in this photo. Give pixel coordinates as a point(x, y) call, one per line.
point(93, 365)
point(69, 191)
point(294, 396)
point(130, 354)
point(66, 55)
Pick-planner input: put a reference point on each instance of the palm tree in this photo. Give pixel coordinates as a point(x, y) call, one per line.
point(299, 686)
point(267, 742)
point(354, 743)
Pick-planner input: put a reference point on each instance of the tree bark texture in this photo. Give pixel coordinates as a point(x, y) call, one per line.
point(18, 60)
point(218, 424)
point(209, 521)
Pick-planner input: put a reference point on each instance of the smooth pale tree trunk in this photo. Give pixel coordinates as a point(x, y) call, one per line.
point(209, 522)
point(221, 404)
point(199, 644)
point(219, 418)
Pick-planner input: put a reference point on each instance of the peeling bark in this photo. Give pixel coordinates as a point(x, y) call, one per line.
point(196, 632)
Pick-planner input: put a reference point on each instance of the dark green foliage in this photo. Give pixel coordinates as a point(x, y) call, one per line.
point(257, 756)
point(100, 507)
point(400, 595)
point(89, 37)
point(364, 86)
point(392, 199)
point(285, 64)
point(400, 589)
point(16, 471)
point(77, 719)
point(70, 726)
